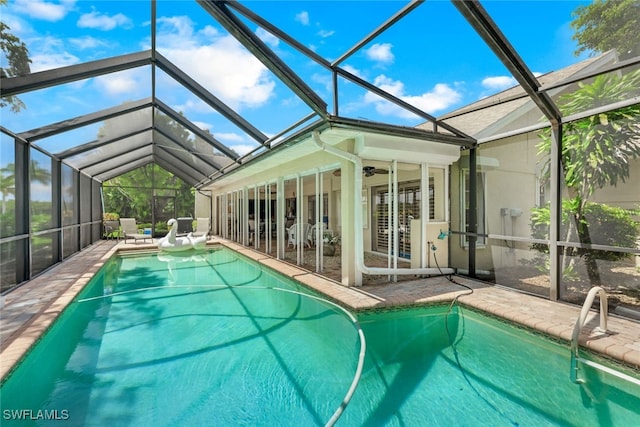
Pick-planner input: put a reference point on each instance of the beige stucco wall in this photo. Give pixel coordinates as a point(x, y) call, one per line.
point(512, 171)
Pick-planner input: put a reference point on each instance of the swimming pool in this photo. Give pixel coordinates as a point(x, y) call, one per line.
point(213, 338)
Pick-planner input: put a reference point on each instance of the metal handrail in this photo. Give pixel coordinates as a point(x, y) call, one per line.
point(580, 323)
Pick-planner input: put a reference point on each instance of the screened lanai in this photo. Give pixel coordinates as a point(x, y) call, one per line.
point(435, 136)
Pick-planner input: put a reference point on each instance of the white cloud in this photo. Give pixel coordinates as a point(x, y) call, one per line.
point(40, 192)
point(46, 11)
point(267, 37)
point(210, 31)
point(48, 53)
point(87, 42)
point(323, 79)
point(440, 97)
point(104, 22)
point(229, 137)
point(124, 82)
point(291, 101)
point(380, 52)
point(498, 83)
point(17, 25)
point(223, 66)
point(193, 104)
point(242, 149)
point(303, 17)
point(176, 28)
point(326, 33)
point(41, 62)
point(202, 125)
point(352, 70)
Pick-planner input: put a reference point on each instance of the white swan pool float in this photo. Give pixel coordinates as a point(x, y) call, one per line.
point(172, 243)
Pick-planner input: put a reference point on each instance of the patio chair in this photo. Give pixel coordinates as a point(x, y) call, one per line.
point(293, 241)
point(252, 231)
point(202, 227)
point(311, 236)
point(130, 231)
point(306, 234)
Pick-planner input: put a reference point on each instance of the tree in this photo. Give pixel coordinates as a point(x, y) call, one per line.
point(596, 151)
point(134, 193)
point(7, 184)
point(608, 24)
point(8, 179)
point(18, 62)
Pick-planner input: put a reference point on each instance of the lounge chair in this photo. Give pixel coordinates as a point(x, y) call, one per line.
point(202, 227)
point(130, 231)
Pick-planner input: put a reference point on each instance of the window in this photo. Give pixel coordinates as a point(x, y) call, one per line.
point(409, 197)
point(480, 202)
point(325, 209)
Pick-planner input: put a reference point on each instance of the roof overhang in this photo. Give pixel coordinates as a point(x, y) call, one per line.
point(372, 141)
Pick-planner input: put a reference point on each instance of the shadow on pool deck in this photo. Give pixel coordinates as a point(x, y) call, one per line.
point(30, 309)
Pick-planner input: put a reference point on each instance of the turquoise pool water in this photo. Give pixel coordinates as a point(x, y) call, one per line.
point(213, 339)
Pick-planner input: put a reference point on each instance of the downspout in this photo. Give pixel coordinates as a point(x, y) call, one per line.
point(357, 161)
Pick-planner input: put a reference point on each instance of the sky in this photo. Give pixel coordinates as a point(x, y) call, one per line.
point(431, 59)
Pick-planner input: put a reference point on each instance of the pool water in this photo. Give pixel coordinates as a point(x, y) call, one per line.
point(214, 339)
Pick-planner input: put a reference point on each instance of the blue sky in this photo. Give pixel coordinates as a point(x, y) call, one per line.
point(431, 58)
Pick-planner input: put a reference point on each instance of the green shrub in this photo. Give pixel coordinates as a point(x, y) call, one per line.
point(607, 225)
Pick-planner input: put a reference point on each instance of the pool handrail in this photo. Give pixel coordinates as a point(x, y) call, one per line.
point(580, 323)
point(575, 358)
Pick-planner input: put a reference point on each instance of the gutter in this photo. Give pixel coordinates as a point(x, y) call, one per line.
point(359, 248)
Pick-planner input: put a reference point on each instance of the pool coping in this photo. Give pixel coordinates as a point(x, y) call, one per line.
point(621, 343)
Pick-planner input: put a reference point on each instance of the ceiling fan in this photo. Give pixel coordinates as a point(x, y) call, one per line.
point(366, 170)
point(372, 170)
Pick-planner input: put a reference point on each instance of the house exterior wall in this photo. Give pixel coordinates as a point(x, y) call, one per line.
point(511, 173)
point(294, 176)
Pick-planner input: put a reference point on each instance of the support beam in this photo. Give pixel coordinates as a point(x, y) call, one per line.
point(261, 51)
point(121, 170)
point(43, 79)
point(381, 28)
point(473, 210)
point(204, 135)
point(208, 98)
point(555, 212)
point(177, 166)
point(393, 99)
point(482, 23)
point(56, 211)
point(114, 155)
point(83, 148)
point(22, 209)
point(87, 119)
point(179, 144)
point(335, 70)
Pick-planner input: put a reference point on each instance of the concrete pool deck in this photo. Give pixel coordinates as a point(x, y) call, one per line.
point(29, 310)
